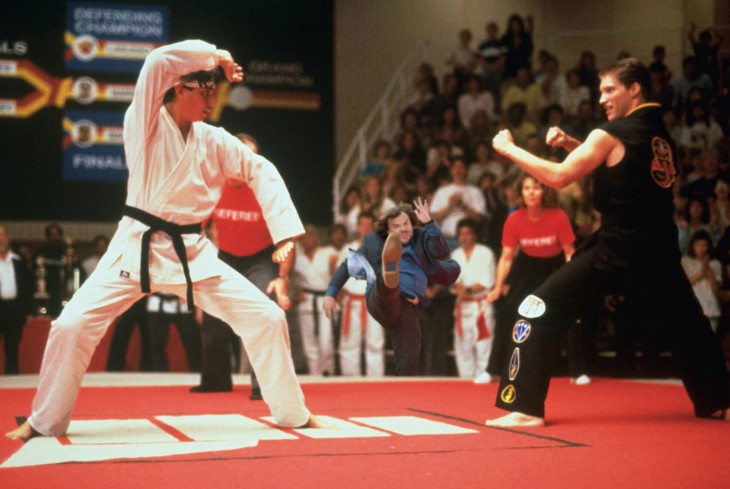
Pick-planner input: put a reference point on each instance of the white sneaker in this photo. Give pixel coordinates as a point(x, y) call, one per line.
point(483, 378)
point(582, 380)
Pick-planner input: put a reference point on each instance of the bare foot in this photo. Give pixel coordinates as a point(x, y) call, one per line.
point(23, 432)
point(318, 423)
point(516, 420)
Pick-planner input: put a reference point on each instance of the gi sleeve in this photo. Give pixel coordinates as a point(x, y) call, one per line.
point(240, 163)
point(162, 68)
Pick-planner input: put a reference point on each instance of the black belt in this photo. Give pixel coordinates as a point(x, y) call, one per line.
point(315, 294)
point(175, 231)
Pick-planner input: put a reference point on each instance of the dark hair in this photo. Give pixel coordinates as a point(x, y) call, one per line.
point(52, 226)
point(381, 225)
point(366, 215)
point(544, 117)
point(549, 195)
point(518, 19)
point(517, 107)
point(197, 77)
point(460, 158)
point(404, 115)
point(343, 200)
point(700, 235)
point(337, 227)
point(689, 60)
point(469, 223)
point(381, 143)
point(629, 71)
point(100, 237)
point(705, 210)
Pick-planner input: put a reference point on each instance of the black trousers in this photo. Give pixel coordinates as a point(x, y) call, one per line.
point(400, 319)
point(526, 274)
point(159, 331)
point(12, 321)
point(217, 336)
point(666, 298)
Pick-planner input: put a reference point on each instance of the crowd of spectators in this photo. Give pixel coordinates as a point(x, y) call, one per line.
point(442, 153)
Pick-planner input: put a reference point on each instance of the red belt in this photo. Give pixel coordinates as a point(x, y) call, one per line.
point(349, 298)
point(482, 329)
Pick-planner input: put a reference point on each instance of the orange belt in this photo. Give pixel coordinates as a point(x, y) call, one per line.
point(349, 299)
point(482, 329)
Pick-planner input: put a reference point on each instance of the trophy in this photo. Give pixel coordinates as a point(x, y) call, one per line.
point(41, 296)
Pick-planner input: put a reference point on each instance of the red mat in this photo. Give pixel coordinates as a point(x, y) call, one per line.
point(615, 434)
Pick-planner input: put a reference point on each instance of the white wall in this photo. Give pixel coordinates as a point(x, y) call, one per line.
point(373, 37)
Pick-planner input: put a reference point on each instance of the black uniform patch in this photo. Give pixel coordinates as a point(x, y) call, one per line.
point(663, 170)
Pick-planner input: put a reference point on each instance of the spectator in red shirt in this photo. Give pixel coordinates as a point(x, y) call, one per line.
point(537, 239)
point(245, 244)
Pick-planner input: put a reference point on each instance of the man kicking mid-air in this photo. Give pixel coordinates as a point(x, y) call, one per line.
point(398, 260)
point(177, 167)
point(633, 162)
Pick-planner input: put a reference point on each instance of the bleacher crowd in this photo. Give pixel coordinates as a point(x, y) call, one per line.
point(442, 153)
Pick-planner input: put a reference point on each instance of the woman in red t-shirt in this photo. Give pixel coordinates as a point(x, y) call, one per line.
point(537, 239)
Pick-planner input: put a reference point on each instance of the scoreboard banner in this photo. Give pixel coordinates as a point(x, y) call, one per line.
point(68, 71)
point(112, 38)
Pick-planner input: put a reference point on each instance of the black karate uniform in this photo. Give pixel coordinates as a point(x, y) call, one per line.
point(636, 252)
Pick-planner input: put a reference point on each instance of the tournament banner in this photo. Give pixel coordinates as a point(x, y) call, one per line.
point(112, 38)
point(68, 71)
point(93, 146)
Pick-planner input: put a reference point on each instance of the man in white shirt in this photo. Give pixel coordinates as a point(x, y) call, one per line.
point(357, 324)
point(473, 315)
point(101, 243)
point(313, 269)
point(456, 201)
point(177, 166)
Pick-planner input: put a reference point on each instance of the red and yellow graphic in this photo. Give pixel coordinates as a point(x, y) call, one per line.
point(663, 170)
point(87, 47)
point(49, 91)
point(508, 394)
point(54, 91)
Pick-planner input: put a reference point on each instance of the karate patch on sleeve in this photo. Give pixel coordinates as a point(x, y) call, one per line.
point(508, 394)
point(514, 364)
point(532, 307)
point(521, 331)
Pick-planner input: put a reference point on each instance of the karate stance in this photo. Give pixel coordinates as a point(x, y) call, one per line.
point(177, 166)
point(633, 161)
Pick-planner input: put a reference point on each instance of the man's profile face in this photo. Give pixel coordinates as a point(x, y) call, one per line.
point(401, 226)
point(615, 98)
point(195, 103)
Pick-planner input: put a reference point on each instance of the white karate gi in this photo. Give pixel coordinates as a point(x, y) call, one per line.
point(179, 181)
point(313, 275)
point(353, 328)
point(472, 356)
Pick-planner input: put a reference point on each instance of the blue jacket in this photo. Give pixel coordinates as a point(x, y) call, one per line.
point(430, 245)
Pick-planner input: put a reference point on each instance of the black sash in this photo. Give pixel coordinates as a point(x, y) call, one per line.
point(316, 294)
point(175, 231)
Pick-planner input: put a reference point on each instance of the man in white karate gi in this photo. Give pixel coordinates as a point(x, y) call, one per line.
point(177, 166)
